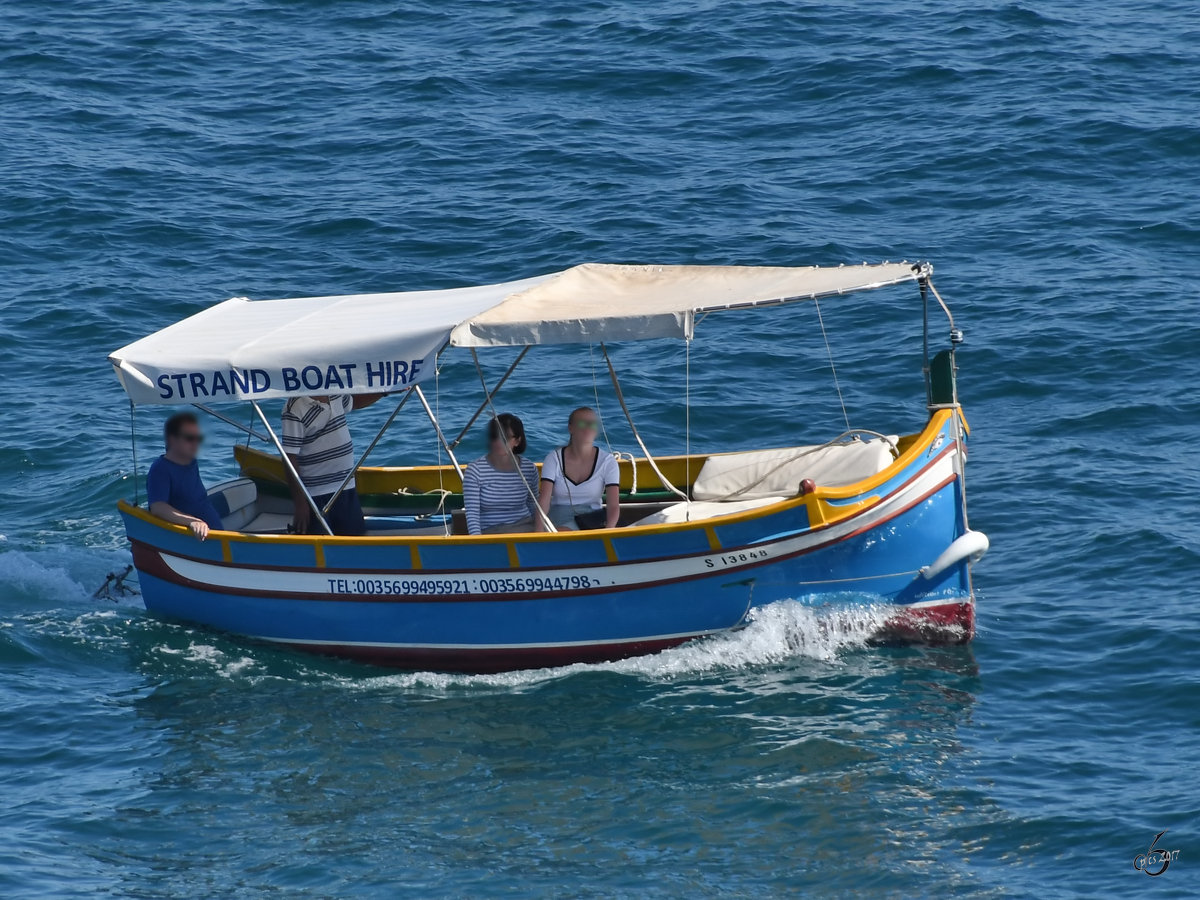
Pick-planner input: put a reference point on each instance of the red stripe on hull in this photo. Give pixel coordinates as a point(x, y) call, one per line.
point(484, 661)
point(950, 623)
point(148, 559)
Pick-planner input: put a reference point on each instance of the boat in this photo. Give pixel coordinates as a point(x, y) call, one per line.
point(704, 539)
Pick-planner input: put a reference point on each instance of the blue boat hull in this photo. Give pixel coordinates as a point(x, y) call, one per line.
point(466, 635)
point(489, 603)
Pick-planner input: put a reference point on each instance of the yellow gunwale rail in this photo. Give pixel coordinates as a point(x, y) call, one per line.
point(258, 465)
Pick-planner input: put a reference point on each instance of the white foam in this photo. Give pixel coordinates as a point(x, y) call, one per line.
point(777, 633)
point(212, 658)
point(24, 572)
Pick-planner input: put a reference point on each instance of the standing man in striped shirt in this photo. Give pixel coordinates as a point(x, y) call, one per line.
point(317, 440)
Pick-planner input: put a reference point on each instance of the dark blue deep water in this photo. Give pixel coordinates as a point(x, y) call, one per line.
point(158, 157)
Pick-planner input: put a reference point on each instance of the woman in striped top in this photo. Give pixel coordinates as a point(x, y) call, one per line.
point(500, 488)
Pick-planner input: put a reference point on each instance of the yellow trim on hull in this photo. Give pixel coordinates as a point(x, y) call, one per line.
point(256, 464)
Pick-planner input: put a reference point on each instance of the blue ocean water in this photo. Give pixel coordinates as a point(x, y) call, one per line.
point(157, 158)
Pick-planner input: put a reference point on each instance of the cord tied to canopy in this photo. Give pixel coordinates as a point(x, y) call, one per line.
point(636, 435)
point(832, 367)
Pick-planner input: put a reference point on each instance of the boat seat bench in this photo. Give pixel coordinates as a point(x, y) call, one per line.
point(735, 482)
point(241, 508)
point(758, 474)
point(726, 483)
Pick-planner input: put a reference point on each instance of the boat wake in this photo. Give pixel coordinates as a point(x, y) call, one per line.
point(229, 665)
point(48, 612)
point(53, 600)
point(776, 634)
point(27, 577)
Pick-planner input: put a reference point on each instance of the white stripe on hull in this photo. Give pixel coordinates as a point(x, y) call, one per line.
point(605, 576)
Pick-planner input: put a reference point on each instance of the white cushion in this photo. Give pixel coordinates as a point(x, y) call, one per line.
point(774, 473)
point(237, 494)
point(680, 512)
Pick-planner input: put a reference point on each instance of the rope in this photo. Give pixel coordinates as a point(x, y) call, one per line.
point(806, 452)
point(620, 455)
point(636, 436)
point(516, 463)
point(482, 406)
point(687, 420)
point(443, 496)
point(137, 497)
point(596, 395)
point(437, 428)
point(829, 350)
point(447, 526)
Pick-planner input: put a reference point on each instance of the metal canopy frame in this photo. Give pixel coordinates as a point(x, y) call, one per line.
point(490, 395)
point(924, 282)
point(287, 462)
point(367, 452)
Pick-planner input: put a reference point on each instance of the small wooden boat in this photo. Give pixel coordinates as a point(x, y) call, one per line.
point(703, 538)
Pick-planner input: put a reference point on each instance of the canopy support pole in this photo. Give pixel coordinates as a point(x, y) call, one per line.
point(287, 464)
point(363, 458)
point(636, 436)
point(228, 421)
point(923, 285)
point(956, 338)
point(137, 497)
point(438, 429)
point(687, 417)
point(491, 396)
point(550, 527)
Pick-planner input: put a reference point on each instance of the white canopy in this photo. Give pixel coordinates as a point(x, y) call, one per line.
point(365, 343)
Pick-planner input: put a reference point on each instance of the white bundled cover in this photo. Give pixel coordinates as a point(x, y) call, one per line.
point(759, 474)
point(695, 511)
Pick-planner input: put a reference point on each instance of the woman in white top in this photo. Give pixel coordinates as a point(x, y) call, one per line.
point(579, 480)
point(498, 489)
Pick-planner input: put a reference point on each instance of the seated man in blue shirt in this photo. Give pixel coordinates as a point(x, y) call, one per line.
point(173, 486)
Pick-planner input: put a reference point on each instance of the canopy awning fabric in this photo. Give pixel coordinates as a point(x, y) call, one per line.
point(366, 343)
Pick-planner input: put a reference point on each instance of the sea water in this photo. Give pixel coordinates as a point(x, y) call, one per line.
point(157, 158)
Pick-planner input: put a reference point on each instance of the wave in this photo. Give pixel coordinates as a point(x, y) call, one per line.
point(29, 575)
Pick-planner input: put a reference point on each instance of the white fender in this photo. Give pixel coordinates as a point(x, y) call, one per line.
point(971, 545)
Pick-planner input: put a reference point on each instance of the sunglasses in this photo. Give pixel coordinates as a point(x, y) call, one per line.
point(590, 424)
point(192, 437)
